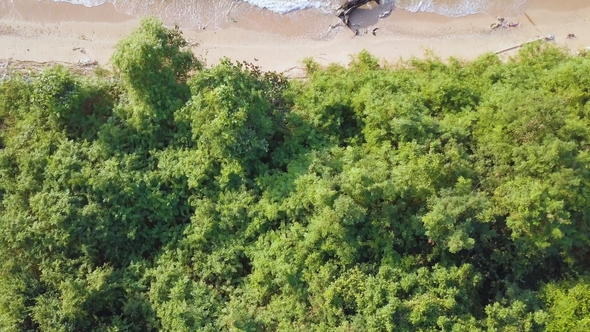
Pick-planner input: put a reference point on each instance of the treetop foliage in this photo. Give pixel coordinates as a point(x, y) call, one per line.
point(429, 196)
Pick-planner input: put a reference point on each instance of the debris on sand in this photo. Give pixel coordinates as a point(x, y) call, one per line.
point(88, 63)
point(503, 23)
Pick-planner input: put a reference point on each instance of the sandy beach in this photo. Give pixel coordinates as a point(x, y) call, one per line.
point(58, 32)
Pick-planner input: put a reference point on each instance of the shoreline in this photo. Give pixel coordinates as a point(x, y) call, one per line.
point(62, 32)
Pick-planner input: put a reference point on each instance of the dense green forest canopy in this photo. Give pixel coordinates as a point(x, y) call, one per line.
point(426, 196)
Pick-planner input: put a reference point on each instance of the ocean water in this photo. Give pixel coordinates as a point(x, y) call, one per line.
point(197, 13)
point(451, 8)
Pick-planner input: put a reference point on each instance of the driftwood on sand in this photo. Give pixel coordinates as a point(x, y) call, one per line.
point(349, 6)
point(548, 38)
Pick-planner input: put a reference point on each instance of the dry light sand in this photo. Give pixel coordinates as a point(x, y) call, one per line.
point(57, 32)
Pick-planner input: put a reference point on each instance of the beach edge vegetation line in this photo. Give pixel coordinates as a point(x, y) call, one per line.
point(428, 196)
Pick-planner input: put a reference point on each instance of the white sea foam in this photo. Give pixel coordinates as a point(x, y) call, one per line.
point(286, 6)
point(452, 8)
point(278, 6)
point(87, 3)
point(457, 8)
